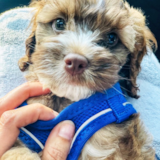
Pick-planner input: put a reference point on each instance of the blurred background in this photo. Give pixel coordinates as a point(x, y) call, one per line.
point(151, 8)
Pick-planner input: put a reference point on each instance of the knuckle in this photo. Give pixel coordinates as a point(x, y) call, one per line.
point(56, 154)
point(39, 107)
point(7, 117)
point(27, 86)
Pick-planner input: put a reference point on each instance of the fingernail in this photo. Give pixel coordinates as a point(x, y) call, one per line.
point(67, 130)
point(52, 114)
point(55, 113)
point(46, 90)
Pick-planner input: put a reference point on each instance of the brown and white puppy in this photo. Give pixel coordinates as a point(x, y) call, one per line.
point(78, 47)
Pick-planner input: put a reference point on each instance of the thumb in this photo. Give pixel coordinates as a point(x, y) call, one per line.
point(58, 143)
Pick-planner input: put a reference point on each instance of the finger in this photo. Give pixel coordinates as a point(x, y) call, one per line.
point(20, 94)
point(59, 141)
point(12, 120)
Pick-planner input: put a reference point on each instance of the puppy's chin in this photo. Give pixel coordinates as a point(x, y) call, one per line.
point(69, 91)
point(74, 93)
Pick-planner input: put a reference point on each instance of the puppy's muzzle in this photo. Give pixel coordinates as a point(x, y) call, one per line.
point(75, 64)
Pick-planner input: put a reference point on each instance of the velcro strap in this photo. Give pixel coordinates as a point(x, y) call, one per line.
point(121, 109)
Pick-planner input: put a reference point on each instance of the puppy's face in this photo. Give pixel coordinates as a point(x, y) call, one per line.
point(81, 45)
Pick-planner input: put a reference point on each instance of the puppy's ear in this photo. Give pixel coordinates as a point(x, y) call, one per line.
point(25, 61)
point(144, 39)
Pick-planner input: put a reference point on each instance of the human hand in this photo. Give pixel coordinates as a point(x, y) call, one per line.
point(58, 143)
point(11, 119)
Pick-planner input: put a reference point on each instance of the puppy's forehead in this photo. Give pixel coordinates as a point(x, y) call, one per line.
point(79, 9)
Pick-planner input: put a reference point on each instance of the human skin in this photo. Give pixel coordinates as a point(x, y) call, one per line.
point(11, 119)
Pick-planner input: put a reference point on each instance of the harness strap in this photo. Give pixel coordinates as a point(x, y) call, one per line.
point(89, 115)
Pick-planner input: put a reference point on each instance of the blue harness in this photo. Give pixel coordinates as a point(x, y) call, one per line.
point(89, 115)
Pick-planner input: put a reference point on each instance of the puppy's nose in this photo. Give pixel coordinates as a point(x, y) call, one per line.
point(75, 64)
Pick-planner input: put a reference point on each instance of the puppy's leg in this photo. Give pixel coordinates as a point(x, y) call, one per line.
point(126, 141)
point(20, 153)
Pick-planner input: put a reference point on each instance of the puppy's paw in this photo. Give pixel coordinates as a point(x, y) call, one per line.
point(20, 153)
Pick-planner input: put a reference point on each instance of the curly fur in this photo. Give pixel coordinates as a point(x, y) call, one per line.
point(106, 16)
point(87, 23)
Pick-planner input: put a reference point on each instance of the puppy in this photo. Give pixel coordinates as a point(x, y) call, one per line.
point(78, 47)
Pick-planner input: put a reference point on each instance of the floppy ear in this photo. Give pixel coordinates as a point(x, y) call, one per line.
point(143, 39)
point(25, 61)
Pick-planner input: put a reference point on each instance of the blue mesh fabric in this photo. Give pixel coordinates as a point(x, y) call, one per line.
point(89, 113)
point(30, 142)
point(40, 134)
point(74, 110)
point(87, 132)
point(79, 112)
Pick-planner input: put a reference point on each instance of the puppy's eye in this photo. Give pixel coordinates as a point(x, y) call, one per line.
point(112, 39)
point(59, 24)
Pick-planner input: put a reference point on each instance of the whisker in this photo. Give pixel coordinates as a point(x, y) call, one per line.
point(126, 68)
point(32, 43)
point(119, 91)
point(31, 46)
point(127, 65)
point(124, 78)
point(27, 63)
point(121, 67)
point(126, 89)
point(103, 89)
